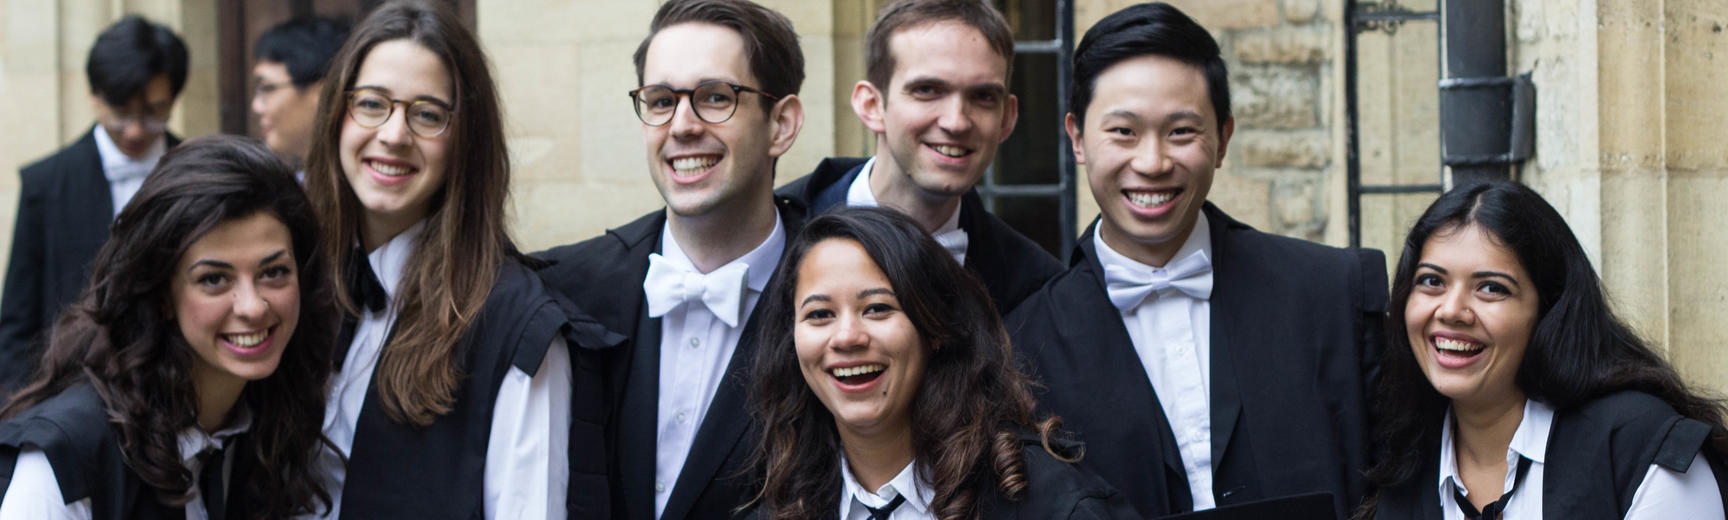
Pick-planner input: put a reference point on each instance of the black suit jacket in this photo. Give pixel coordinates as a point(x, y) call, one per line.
point(1294, 329)
point(64, 208)
point(604, 275)
point(1010, 265)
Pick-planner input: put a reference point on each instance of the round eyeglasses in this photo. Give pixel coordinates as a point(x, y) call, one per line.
point(426, 117)
point(714, 101)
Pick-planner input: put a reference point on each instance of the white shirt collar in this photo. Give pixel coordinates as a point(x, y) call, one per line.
point(859, 194)
point(1200, 240)
point(113, 159)
point(1529, 441)
point(760, 261)
point(854, 493)
point(390, 259)
point(194, 441)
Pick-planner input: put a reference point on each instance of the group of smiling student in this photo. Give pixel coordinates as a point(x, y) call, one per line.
point(374, 345)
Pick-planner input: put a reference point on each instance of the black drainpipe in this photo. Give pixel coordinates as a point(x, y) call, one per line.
point(1486, 118)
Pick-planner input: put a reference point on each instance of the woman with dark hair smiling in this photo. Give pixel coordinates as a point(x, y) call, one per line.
point(196, 355)
point(886, 390)
point(1511, 391)
point(458, 390)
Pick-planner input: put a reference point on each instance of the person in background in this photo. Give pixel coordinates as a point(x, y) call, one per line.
point(188, 380)
point(136, 70)
point(1244, 356)
point(292, 58)
point(887, 390)
point(460, 381)
point(1511, 391)
point(937, 99)
point(718, 101)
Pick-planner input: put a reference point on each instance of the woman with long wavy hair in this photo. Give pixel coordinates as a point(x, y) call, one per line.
point(199, 348)
point(453, 396)
point(1510, 390)
point(885, 388)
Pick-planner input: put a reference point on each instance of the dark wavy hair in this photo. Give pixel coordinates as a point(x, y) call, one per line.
point(465, 241)
point(1578, 349)
point(964, 414)
point(119, 339)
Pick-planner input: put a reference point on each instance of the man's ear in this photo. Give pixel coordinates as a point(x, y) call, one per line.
point(1010, 117)
point(1224, 133)
point(1072, 125)
point(868, 102)
point(784, 122)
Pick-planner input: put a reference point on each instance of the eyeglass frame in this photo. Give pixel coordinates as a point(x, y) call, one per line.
point(690, 93)
point(407, 105)
point(152, 119)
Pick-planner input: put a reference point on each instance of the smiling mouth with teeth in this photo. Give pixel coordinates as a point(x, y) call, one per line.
point(950, 151)
point(247, 340)
point(1457, 347)
point(1152, 199)
point(390, 170)
point(688, 166)
point(859, 374)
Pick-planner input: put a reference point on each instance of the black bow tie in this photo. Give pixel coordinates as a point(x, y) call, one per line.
point(363, 285)
point(1493, 510)
point(881, 513)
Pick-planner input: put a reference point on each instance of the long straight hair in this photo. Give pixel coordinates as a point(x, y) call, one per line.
point(464, 243)
point(965, 413)
point(119, 339)
point(1578, 349)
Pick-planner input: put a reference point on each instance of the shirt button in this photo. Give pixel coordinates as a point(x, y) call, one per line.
point(681, 417)
point(695, 343)
point(659, 487)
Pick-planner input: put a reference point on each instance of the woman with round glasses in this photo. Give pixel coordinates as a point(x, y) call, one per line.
point(193, 361)
point(1511, 391)
point(454, 395)
point(886, 389)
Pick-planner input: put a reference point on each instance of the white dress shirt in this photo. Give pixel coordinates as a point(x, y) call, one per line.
point(1171, 332)
point(35, 492)
point(530, 417)
point(1664, 494)
point(854, 498)
point(695, 348)
point(949, 235)
point(125, 174)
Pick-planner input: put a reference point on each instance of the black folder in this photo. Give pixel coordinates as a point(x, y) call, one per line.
point(1313, 506)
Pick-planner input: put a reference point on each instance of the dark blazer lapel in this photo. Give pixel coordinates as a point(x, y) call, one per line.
point(634, 377)
point(89, 200)
point(1095, 330)
point(1232, 304)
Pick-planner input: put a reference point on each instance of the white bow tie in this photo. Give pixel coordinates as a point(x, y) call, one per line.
point(669, 285)
point(1130, 285)
point(128, 170)
point(955, 241)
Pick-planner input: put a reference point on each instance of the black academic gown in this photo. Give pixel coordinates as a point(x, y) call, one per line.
point(403, 471)
point(72, 429)
point(605, 274)
point(64, 208)
point(1010, 265)
point(1294, 329)
point(1597, 456)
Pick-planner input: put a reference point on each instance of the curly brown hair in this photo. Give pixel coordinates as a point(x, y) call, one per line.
point(119, 339)
point(965, 414)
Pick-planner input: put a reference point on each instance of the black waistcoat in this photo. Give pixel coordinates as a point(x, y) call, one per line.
point(401, 471)
point(1597, 456)
point(72, 430)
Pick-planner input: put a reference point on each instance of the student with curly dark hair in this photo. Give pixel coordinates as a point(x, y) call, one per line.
point(200, 348)
point(885, 388)
point(1511, 389)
